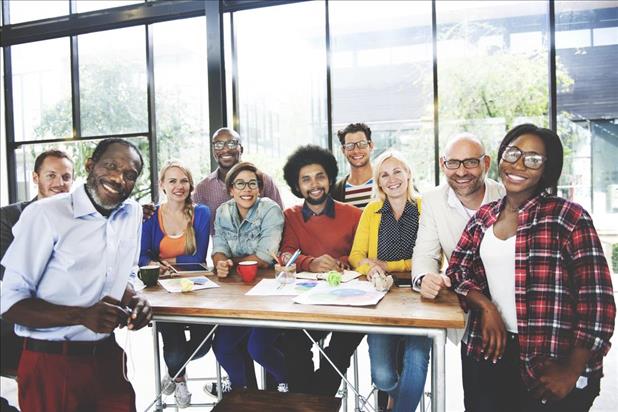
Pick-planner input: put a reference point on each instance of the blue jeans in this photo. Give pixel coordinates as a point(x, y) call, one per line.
point(176, 348)
point(406, 389)
point(228, 348)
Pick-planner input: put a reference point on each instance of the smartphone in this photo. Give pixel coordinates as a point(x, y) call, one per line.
point(403, 281)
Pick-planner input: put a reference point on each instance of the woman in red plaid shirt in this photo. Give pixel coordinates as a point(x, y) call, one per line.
point(530, 270)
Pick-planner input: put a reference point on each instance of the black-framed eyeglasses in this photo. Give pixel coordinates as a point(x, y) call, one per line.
point(363, 144)
point(230, 144)
point(470, 163)
point(532, 160)
point(241, 184)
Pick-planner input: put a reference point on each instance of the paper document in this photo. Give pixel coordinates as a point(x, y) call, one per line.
point(356, 293)
point(199, 282)
point(347, 275)
point(270, 287)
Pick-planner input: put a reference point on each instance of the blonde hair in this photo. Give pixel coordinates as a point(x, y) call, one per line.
point(411, 193)
point(190, 243)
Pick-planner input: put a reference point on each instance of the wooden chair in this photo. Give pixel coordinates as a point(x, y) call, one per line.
point(251, 401)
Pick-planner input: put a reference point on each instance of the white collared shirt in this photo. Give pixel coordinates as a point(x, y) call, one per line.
point(66, 253)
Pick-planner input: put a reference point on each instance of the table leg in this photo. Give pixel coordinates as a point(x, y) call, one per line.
point(157, 365)
point(438, 371)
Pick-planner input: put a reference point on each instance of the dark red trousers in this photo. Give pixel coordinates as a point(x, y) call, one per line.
point(57, 382)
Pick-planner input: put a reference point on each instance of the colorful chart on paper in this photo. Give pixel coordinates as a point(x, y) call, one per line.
point(355, 293)
point(270, 287)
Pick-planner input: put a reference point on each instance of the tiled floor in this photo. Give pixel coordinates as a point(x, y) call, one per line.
point(141, 373)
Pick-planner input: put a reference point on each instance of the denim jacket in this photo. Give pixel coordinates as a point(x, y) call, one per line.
point(259, 234)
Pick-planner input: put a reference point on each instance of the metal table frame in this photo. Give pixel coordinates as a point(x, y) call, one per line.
point(438, 336)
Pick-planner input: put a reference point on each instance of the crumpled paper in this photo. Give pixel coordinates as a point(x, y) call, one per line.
point(382, 283)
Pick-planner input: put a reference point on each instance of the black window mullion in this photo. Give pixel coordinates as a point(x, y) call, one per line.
point(216, 69)
point(329, 95)
point(152, 117)
point(553, 107)
point(436, 108)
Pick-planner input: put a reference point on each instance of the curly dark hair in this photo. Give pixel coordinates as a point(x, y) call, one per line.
point(353, 128)
point(308, 155)
point(104, 144)
point(553, 151)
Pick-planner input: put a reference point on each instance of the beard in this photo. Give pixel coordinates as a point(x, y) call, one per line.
point(93, 186)
point(314, 201)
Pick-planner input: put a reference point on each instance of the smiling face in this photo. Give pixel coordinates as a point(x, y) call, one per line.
point(175, 184)
point(246, 197)
point(516, 177)
point(463, 181)
point(313, 183)
point(357, 157)
point(111, 179)
point(393, 179)
point(54, 176)
point(226, 157)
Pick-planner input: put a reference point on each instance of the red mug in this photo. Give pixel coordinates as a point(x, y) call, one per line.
point(247, 270)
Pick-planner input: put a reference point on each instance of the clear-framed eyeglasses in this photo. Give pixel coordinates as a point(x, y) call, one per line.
point(470, 163)
point(241, 184)
point(363, 144)
point(532, 160)
point(230, 144)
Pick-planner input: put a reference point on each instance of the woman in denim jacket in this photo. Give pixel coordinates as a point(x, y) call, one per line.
point(247, 227)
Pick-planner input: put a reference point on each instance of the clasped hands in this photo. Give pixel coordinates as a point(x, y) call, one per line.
point(109, 313)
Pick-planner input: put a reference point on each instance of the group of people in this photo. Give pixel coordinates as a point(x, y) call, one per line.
point(537, 288)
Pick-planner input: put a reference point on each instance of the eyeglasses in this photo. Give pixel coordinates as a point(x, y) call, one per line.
point(532, 160)
point(241, 184)
point(363, 144)
point(470, 163)
point(230, 144)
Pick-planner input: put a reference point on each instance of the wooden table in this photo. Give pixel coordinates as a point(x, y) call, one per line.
point(401, 311)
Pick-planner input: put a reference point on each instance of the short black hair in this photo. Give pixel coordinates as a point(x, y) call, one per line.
point(353, 128)
point(104, 144)
point(60, 154)
point(242, 167)
point(308, 155)
point(553, 151)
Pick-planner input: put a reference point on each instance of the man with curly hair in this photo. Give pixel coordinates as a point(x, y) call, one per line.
point(323, 229)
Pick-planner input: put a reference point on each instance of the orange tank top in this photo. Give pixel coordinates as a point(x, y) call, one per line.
point(170, 247)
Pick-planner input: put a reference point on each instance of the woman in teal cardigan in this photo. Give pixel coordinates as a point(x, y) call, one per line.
point(384, 242)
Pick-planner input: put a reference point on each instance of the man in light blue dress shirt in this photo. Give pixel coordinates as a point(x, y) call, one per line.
point(68, 285)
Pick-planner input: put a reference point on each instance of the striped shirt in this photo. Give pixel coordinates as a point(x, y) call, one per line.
point(358, 195)
point(563, 289)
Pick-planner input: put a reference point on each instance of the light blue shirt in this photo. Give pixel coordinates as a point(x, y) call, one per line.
point(259, 234)
point(67, 253)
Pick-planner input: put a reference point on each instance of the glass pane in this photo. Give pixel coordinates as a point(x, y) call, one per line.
point(27, 10)
point(281, 83)
point(181, 93)
point(492, 68)
point(42, 90)
point(90, 5)
point(113, 81)
point(381, 57)
point(79, 151)
point(588, 111)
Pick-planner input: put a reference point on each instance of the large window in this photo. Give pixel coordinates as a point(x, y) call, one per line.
point(381, 67)
point(492, 68)
point(282, 87)
point(112, 75)
point(181, 93)
point(587, 107)
point(42, 90)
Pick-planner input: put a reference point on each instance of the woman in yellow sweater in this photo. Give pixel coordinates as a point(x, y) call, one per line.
point(384, 242)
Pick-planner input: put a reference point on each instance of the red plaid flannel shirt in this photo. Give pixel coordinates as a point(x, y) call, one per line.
point(563, 289)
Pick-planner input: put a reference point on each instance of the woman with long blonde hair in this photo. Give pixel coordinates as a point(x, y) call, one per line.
point(177, 233)
point(384, 242)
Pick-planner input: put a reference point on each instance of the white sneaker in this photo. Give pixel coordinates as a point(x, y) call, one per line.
point(167, 385)
point(282, 387)
point(211, 387)
point(182, 395)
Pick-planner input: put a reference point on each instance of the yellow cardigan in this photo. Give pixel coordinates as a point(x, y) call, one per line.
point(366, 240)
